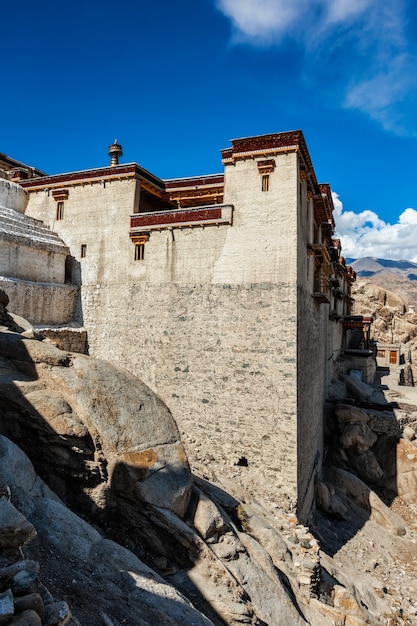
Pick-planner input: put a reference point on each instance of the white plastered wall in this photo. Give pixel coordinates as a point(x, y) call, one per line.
point(208, 319)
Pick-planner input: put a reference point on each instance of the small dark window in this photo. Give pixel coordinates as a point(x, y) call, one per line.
point(69, 264)
point(83, 250)
point(60, 211)
point(139, 251)
point(265, 182)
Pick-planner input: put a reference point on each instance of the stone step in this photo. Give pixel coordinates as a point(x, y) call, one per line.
point(21, 219)
point(38, 240)
point(9, 230)
point(16, 224)
point(16, 227)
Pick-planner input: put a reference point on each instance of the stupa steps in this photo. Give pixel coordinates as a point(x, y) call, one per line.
point(19, 223)
point(14, 224)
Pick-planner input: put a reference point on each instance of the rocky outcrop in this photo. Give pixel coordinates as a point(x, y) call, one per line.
point(396, 277)
point(377, 445)
point(78, 560)
point(404, 481)
point(110, 448)
point(91, 426)
point(24, 600)
point(391, 302)
point(366, 499)
point(6, 319)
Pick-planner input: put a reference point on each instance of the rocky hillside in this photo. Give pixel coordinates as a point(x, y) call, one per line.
point(127, 534)
point(395, 317)
point(399, 277)
point(387, 290)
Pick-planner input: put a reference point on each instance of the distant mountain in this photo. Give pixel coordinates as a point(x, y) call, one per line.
point(399, 277)
point(371, 267)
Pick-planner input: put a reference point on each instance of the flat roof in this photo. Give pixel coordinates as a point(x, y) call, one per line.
point(110, 171)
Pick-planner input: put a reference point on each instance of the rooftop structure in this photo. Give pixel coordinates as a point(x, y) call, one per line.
point(15, 170)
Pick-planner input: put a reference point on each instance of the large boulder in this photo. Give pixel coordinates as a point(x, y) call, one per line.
point(357, 437)
point(94, 429)
point(15, 530)
point(363, 392)
point(84, 565)
point(367, 467)
point(348, 484)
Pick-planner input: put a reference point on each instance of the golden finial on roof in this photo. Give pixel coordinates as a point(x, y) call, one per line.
point(115, 151)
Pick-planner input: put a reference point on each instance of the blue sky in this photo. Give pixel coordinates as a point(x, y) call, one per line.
point(174, 81)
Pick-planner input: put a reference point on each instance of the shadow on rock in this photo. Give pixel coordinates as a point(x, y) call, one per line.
point(362, 473)
point(109, 447)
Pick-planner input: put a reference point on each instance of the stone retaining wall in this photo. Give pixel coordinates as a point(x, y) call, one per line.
point(41, 303)
point(223, 357)
point(70, 339)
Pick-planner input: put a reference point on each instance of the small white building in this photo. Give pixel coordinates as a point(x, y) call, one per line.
point(387, 354)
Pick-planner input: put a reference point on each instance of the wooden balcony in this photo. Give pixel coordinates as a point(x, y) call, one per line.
point(321, 291)
point(213, 215)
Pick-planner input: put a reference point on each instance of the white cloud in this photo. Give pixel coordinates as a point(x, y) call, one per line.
point(378, 94)
point(365, 234)
point(261, 19)
point(340, 10)
point(362, 44)
point(408, 218)
point(255, 20)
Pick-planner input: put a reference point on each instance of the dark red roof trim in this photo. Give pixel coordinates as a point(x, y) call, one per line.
point(117, 170)
point(175, 217)
point(265, 142)
point(197, 181)
point(269, 142)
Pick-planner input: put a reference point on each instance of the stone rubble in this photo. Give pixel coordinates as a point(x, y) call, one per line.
point(24, 601)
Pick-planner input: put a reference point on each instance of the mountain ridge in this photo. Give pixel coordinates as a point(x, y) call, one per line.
point(370, 266)
point(399, 277)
